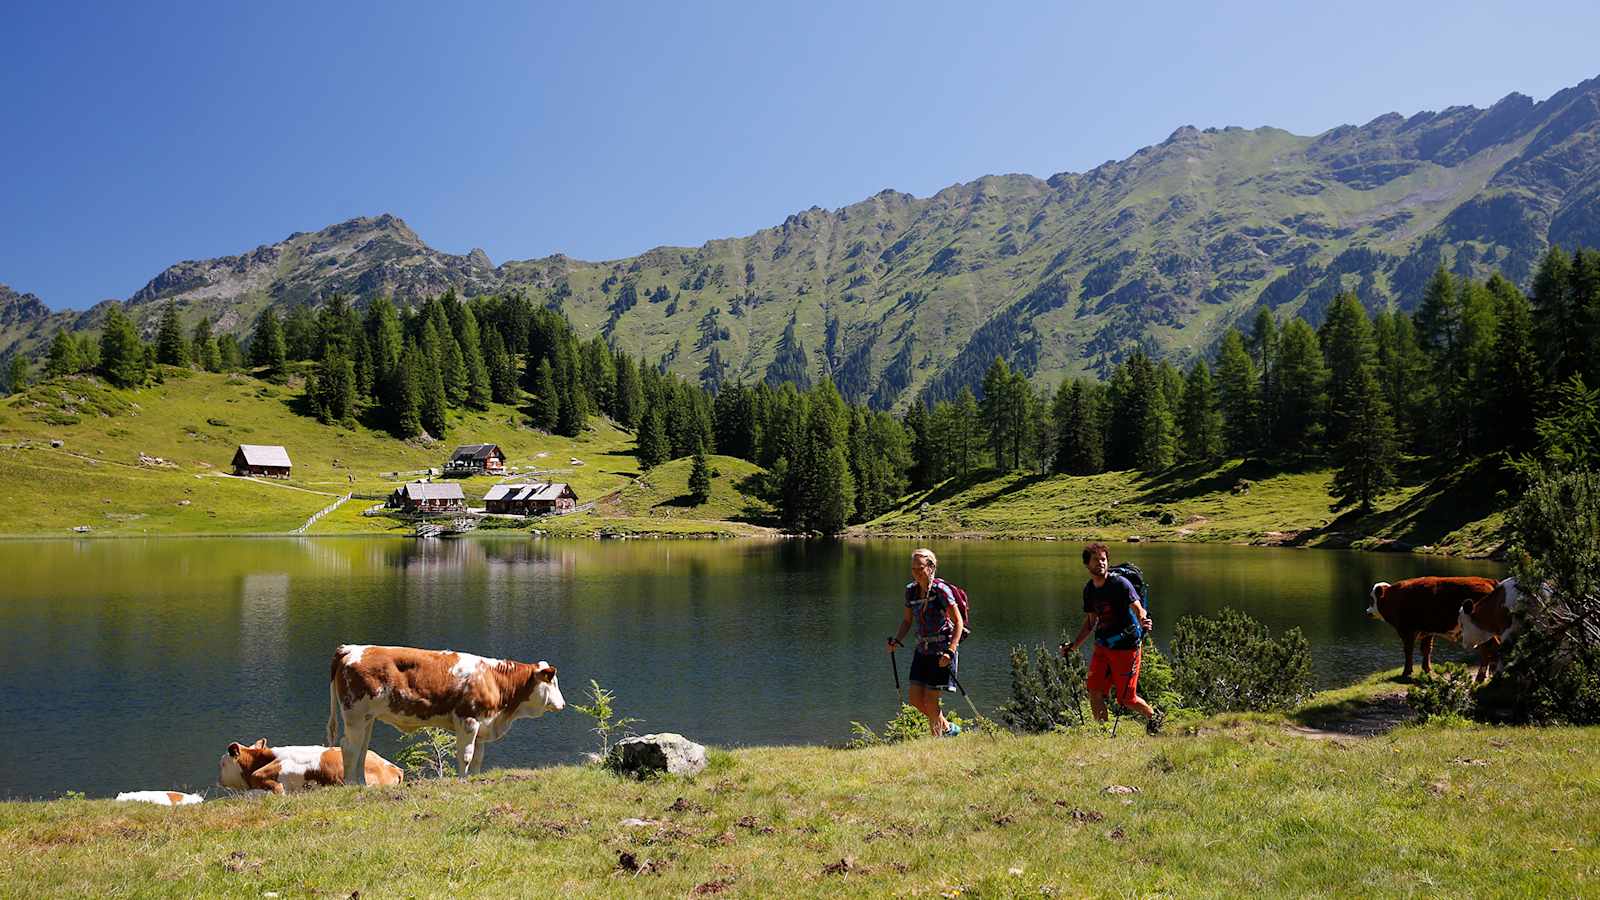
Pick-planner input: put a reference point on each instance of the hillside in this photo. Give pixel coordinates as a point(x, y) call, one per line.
point(1233, 805)
point(898, 296)
point(1449, 512)
point(192, 423)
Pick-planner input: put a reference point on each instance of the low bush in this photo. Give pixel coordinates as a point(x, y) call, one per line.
point(427, 753)
point(609, 727)
point(1443, 694)
point(1230, 663)
point(1046, 689)
point(907, 725)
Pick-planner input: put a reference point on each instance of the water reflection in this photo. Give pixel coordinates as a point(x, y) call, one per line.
point(177, 647)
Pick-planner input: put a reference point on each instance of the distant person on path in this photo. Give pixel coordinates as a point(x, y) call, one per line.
point(1112, 611)
point(931, 607)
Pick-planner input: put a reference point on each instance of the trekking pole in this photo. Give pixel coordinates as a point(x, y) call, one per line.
point(977, 717)
point(894, 666)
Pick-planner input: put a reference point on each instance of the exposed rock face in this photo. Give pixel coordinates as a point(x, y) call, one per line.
point(652, 754)
point(897, 297)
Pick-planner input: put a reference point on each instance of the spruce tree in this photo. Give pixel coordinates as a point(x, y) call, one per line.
point(332, 391)
point(966, 437)
point(203, 346)
point(922, 463)
point(653, 448)
point(1146, 413)
point(1557, 326)
point(997, 412)
point(700, 478)
point(229, 355)
point(1265, 348)
point(573, 415)
point(385, 337)
point(122, 358)
point(1199, 420)
point(1236, 386)
point(267, 347)
point(501, 367)
point(1516, 381)
point(64, 358)
point(432, 399)
point(629, 397)
point(734, 414)
point(479, 391)
point(402, 392)
point(1365, 452)
point(171, 348)
point(16, 373)
point(547, 397)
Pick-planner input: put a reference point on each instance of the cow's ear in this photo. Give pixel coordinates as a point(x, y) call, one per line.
point(259, 745)
point(233, 749)
point(549, 673)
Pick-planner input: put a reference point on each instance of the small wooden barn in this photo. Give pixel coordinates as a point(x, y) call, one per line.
point(530, 499)
point(262, 459)
point(476, 459)
point(426, 497)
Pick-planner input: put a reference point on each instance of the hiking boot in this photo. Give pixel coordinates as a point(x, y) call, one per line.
point(951, 729)
point(1153, 724)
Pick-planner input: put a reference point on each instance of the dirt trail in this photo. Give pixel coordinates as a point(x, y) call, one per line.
point(1377, 715)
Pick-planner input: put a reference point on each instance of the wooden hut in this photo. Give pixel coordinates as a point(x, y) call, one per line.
point(261, 459)
point(428, 498)
point(530, 499)
point(476, 459)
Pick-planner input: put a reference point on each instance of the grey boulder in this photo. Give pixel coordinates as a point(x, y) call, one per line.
point(650, 754)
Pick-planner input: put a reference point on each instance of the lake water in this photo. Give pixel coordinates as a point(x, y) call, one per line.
point(131, 664)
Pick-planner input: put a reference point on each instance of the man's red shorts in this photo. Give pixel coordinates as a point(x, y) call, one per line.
point(1114, 669)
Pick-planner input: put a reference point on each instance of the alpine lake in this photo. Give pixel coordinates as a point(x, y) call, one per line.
point(131, 664)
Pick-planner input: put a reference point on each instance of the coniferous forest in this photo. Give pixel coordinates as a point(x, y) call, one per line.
point(1480, 369)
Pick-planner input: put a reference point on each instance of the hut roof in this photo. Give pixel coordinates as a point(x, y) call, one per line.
point(418, 490)
point(263, 455)
point(535, 491)
point(476, 452)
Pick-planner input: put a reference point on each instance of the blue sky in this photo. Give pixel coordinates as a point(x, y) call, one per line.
point(135, 139)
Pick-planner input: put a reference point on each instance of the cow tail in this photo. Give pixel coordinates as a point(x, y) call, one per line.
point(333, 712)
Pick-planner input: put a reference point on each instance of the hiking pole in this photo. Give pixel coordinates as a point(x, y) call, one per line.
point(977, 717)
point(895, 667)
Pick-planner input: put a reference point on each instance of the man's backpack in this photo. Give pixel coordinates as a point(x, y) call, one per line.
point(1135, 577)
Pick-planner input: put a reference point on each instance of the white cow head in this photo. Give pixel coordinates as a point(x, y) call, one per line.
point(1373, 597)
point(230, 769)
point(547, 692)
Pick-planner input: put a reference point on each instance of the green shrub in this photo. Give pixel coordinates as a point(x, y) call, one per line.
point(60, 418)
point(908, 725)
point(1446, 693)
point(1046, 691)
point(608, 726)
point(427, 753)
point(1229, 663)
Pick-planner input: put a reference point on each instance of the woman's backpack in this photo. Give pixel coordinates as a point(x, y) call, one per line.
point(959, 595)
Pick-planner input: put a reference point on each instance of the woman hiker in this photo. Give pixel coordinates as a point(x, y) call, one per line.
point(932, 608)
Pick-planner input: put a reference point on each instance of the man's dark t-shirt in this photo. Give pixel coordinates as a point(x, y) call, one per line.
point(1115, 626)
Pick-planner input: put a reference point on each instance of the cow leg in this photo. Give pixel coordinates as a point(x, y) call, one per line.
point(1409, 638)
point(466, 746)
point(1427, 654)
point(357, 736)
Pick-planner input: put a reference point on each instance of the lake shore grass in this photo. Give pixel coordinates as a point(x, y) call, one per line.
point(1224, 806)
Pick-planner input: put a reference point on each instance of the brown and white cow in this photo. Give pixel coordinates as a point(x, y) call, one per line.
point(1427, 606)
point(159, 798)
point(474, 697)
point(285, 769)
point(1487, 622)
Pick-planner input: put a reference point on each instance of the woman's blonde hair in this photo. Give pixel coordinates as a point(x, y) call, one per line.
point(924, 551)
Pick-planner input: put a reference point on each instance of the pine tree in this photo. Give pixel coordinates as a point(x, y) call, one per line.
point(822, 488)
point(1200, 423)
point(700, 478)
point(923, 465)
point(171, 348)
point(64, 358)
point(300, 333)
point(1265, 348)
point(1236, 386)
point(734, 413)
point(1517, 379)
point(122, 358)
point(229, 354)
point(333, 390)
point(204, 348)
point(1145, 411)
point(629, 399)
point(267, 347)
point(573, 415)
point(966, 435)
point(1365, 452)
point(1557, 326)
point(1301, 391)
point(402, 392)
point(16, 374)
point(385, 337)
point(1080, 442)
point(653, 448)
point(432, 400)
point(997, 412)
point(479, 390)
point(547, 397)
point(501, 367)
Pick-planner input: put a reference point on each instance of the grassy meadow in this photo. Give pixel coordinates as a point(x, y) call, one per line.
point(1225, 806)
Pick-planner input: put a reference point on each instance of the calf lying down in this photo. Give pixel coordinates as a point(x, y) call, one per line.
point(283, 769)
point(160, 798)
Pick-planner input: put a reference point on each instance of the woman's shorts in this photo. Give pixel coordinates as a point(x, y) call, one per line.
point(926, 671)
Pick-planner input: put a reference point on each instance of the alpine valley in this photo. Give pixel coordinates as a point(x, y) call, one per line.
point(897, 297)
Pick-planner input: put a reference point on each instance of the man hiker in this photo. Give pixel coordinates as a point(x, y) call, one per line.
point(1113, 612)
point(931, 607)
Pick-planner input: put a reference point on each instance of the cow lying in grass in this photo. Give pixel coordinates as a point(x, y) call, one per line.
point(473, 697)
point(159, 798)
point(285, 769)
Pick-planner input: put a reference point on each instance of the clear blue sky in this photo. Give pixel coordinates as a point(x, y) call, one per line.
point(133, 139)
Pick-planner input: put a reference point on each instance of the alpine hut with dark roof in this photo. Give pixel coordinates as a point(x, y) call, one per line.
point(476, 459)
point(261, 459)
point(530, 499)
point(428, 497)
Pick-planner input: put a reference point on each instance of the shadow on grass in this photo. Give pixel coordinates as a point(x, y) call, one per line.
point(1449, 499)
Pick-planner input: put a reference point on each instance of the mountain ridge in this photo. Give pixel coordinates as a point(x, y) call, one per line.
point(897, 296)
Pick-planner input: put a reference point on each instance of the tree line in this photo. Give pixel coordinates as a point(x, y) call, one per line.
point(1471, 373)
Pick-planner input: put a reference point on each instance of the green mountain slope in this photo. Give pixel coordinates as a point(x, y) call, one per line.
point(897, 296)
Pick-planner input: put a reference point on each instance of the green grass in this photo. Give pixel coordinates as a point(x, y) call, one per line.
point(1452, 512)
point(1235, 805)
point(663, 492)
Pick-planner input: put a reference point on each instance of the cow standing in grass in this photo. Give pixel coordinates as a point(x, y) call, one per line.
point(474, 697)
point(1427, 607)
